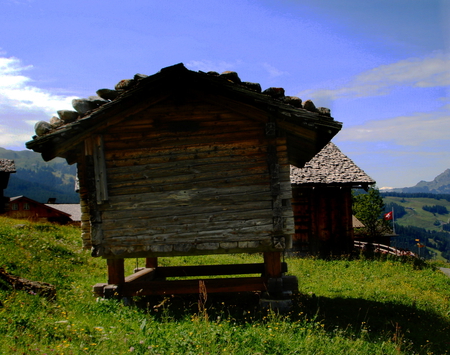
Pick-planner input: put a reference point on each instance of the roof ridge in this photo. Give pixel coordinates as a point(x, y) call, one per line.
point(84, 107)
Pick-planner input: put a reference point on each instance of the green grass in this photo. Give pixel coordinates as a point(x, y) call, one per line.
point(359, 306)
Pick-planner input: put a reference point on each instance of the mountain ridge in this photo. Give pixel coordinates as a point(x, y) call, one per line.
point(40, 180)
point(439, 185)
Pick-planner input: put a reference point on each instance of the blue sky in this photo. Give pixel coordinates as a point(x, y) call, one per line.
point(381, 66)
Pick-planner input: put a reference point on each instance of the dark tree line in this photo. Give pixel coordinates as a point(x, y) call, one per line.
point(408, 236)
point(417, 195)
point(446, 255)
point(435, 209)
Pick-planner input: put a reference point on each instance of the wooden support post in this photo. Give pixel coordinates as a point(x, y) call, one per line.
point(272, 264)
point(116, 271)
point(151, 262)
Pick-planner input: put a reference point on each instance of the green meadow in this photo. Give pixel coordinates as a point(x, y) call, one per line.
point(358, 305)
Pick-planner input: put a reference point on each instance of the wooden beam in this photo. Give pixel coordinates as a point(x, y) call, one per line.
point(210, 270)
point(101, 184)
point(272, 264)
point(145, 274)
point(247, 284)
point(116, 271)
point(35, 287)
point(151, 262)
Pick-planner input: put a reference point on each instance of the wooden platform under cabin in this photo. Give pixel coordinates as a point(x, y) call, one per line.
point(153, 279)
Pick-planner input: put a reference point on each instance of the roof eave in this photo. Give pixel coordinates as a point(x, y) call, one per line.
point(303, 127)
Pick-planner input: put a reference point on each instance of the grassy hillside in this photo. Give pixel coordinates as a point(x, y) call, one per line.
point(414, 223)
point(416, 216)
point(358, 306)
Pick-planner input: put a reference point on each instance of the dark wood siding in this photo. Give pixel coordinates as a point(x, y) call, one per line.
point(24, 208)
point(323, 220)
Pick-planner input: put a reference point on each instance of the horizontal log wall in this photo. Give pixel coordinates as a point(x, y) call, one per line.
point(191, 179)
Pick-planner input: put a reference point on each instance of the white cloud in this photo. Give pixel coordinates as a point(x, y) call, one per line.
point(17, 92)
point(13, 138)
point(17, 2)
point(412, 130)
point(208, 65)
point(273, 72)
point(22, 103)
point(431, 71)
point(11, 66)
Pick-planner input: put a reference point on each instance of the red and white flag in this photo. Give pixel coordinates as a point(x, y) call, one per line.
point(388, 216)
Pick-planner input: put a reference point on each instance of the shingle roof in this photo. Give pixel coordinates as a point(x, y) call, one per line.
point(357, 223)
point(332, 167)
point(73, 209)
point(7, 166)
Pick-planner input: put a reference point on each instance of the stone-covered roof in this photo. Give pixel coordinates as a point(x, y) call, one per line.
point(58, 136)
point(330, 167)
point(7, 166)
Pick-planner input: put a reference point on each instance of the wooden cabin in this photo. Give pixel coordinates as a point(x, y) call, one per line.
point(188, 163)
point(7, 167)
point(22, 207)
point(322, 202)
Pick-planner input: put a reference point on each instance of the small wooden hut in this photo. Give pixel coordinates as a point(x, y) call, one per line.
point(187, 163)
point(7, 167)
point(322, 202)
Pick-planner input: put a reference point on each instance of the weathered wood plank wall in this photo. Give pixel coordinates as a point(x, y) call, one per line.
point(190, 178)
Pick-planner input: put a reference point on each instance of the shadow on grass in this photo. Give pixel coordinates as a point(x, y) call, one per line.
point(418, 330)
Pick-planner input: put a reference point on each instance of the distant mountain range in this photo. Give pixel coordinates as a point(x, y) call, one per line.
point(40, 180)
point(440, 185)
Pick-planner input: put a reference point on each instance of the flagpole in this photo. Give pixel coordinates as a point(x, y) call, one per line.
point(393, 221)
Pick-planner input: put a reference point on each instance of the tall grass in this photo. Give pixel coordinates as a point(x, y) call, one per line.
point(360, 306)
